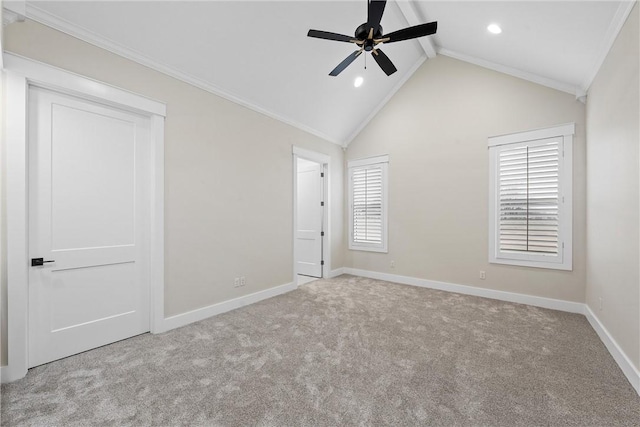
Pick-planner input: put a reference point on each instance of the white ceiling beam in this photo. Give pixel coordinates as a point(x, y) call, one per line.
point(408, 10)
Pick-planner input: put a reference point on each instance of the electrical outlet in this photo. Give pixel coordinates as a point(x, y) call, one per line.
point(393, 264)
point(600, 303)
point(236, 282)
point(242, 281)
point(483, 275)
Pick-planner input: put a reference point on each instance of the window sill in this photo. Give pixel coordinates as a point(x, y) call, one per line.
point(567, 266)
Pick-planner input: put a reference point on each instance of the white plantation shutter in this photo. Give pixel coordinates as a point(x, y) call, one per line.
point(367, 203)
point(530, 198)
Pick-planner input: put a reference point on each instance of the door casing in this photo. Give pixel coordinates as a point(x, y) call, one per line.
point(20, 74)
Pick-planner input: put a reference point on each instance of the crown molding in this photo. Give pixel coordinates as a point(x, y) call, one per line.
point(81, 33)
point(386, 99)
point(8, 17)
point(535, 78)
point(620, 17)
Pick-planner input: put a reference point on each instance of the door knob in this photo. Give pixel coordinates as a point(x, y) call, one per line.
point(39, 261)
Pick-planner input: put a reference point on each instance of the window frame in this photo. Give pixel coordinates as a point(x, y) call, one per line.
point(383, 161)
point(564, 259)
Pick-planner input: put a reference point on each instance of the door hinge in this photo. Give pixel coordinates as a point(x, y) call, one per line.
point(321, 174)
point(322, 233)
point(321, 203)
point(322, 262)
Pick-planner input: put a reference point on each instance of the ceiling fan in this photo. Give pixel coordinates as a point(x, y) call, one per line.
point(369, 35)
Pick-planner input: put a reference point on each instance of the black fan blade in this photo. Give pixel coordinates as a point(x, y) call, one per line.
point(344, 64)
point(411, 32)
point(374, 14)
point(330, 36)
point(384, 62)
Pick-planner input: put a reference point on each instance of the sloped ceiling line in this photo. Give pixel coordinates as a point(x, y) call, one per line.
point(45, 18)
point(409, 12)
point(624, 9)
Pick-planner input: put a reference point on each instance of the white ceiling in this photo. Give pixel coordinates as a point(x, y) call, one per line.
point(257, 53)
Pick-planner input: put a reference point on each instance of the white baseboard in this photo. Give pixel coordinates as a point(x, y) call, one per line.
point(335, 273)
point(554, 304)
point(205, 312)
point(629, 370)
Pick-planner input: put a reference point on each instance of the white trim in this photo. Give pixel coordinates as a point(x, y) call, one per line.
point(384, 101)
point(325, 161)
point(368, 161)
point(39, 15)
point(311, 155)
point(157, 226)
point(9, 17)
point(199, 314)
point(13, 11)
point(563, 260)
point(567, 129)
point(48, 76)
point(620, 17)
point(383, 163)
point(544, 81)
point(337, 272)
point(17, 250)
point(20, 73)
point(550, 303)
point(630, 371)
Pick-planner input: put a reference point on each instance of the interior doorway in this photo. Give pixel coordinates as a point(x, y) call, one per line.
point(310, 228)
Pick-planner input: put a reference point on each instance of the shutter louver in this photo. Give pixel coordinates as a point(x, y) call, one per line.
point(528, 178)
point(367, 205)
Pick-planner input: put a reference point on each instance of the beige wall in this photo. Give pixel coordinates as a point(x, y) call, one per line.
point(435, 130)
point(613, 191)
point(228, 185)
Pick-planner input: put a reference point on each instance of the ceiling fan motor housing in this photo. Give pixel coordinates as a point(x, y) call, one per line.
point(362, 33)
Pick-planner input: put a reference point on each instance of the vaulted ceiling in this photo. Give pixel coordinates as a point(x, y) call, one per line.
point(257, 53)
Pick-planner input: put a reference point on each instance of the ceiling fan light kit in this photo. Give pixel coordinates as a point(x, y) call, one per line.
point(369, 35)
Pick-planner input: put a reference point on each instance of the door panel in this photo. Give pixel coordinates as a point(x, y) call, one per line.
point(309, 218)
point(88, 210)
point(93, 177)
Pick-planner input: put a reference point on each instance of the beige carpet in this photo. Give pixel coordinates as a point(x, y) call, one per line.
point(348, 351)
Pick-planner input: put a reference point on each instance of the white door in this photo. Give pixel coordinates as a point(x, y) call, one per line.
point(88, 211)
point(309, 218)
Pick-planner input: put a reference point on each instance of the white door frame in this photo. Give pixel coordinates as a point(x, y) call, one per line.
point(20, 74)
point(325, 161)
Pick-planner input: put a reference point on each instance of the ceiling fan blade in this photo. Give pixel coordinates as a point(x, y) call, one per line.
point(344, 64)
point(374, 14)
point(384, 62)
point(330, 36)
point(411, 32)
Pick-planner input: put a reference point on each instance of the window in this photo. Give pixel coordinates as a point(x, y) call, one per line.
point(530, 207)
point(368, 204)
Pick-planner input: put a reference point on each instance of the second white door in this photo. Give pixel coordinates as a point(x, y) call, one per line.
point(88, 216)
point(309, 217)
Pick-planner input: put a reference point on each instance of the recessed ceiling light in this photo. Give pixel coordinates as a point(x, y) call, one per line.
point(358, 81)
point(494, 29)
